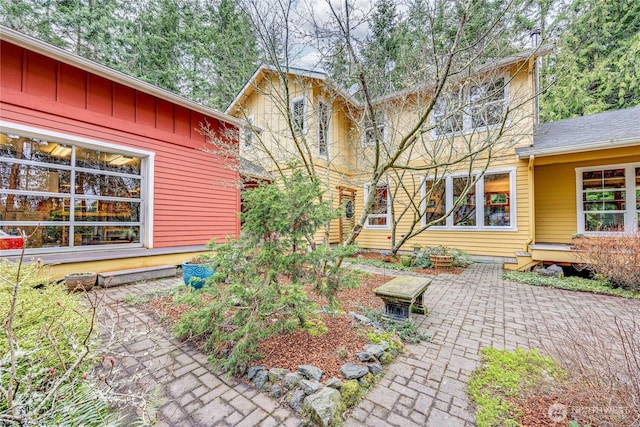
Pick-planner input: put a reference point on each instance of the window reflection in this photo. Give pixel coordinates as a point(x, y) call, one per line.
point(102, 207)
point(464, 192)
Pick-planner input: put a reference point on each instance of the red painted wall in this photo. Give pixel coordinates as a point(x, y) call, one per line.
point(195, 198)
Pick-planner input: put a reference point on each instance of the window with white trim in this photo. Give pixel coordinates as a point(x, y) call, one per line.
point(471, 108)
point(374, 132)
point(608, 198)
point(324, 119)
point(299, 115)
point(485, 203)
point(379, 214)
point(247, 135)
point(69, 195)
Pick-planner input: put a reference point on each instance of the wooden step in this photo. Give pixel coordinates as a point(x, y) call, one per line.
point(108, 279)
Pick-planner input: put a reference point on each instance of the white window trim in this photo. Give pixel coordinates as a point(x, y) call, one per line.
point(387, 215)
point(382, 123)
point(467, 125)
point(146, 171)
point(304, 114)
point(448, 225)
point(630, 215)
point(246, 131)
point(322, 101)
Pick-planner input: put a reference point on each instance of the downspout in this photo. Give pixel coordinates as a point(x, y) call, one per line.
point(535, 40)
point(532, 201)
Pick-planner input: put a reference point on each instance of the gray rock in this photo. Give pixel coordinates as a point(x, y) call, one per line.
point(275, 391)
point(353, 371)
point(556, 268)
point(360, 318)
point(260, 379)
point(334, 383)
point(295, 399)
point(375, 368)
point(276, 374)
point(309, 386)
point(253, 371)
point(375, 349)
point(324, 406)
point(385, 345)
point(365, 356)
point(548, 273)
point(291, 380)
point(310, 372)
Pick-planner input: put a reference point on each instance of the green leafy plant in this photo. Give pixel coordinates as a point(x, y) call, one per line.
point(406, 330)
point(506, 374)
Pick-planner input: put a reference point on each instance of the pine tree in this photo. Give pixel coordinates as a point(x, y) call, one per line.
point(595, 67)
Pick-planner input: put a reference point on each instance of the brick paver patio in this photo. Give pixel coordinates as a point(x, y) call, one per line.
point(425, 386)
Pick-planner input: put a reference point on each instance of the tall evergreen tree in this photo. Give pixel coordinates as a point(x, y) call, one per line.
point(595, 67)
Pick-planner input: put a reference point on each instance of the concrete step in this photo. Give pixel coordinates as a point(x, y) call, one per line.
point(108, 279)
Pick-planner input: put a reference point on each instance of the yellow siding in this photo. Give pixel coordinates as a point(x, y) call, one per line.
point(555, 190)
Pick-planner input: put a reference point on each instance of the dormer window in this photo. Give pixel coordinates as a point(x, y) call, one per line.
point(246, 140)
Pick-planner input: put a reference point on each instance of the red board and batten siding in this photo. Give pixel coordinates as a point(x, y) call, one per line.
point(194, 199)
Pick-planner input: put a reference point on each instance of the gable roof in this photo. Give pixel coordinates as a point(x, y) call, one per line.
point(322, 76)
point(54, 52)
point(609, 129)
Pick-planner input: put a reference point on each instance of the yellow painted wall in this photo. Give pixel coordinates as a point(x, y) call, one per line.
point(555, 190)
point(348, 159)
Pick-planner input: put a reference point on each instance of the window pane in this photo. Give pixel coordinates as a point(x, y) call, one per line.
point(298, 115)
point(435, 201)
point(101, 235)
point(34, 178)
point(497, 211)
point(95, 184)
point(380, 201)
point(103, 160)
point(42, 236)
point(33, 208)
point(23, 148)
point(377, 221)
point(604, 222)
point(603, 179)
point(323, 128)
point(102, 210)
point(465, 213)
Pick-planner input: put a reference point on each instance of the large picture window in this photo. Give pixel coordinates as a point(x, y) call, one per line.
point(379, 213)
point(69, 195)
point(486, 202)
point(608, 198)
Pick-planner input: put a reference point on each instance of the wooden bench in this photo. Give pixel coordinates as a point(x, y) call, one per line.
point(120, 277)
point(401, 295)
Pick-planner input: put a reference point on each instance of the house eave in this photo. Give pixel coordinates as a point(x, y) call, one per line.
point(27, 42)
point(526, 152)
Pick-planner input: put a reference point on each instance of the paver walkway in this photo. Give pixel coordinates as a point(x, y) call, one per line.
point(425, 386)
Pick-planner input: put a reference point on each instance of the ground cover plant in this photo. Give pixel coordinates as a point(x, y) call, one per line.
point(420, 260)
point(46, 352)
point(593, 378)
point(597, 285)
point(505, 377)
